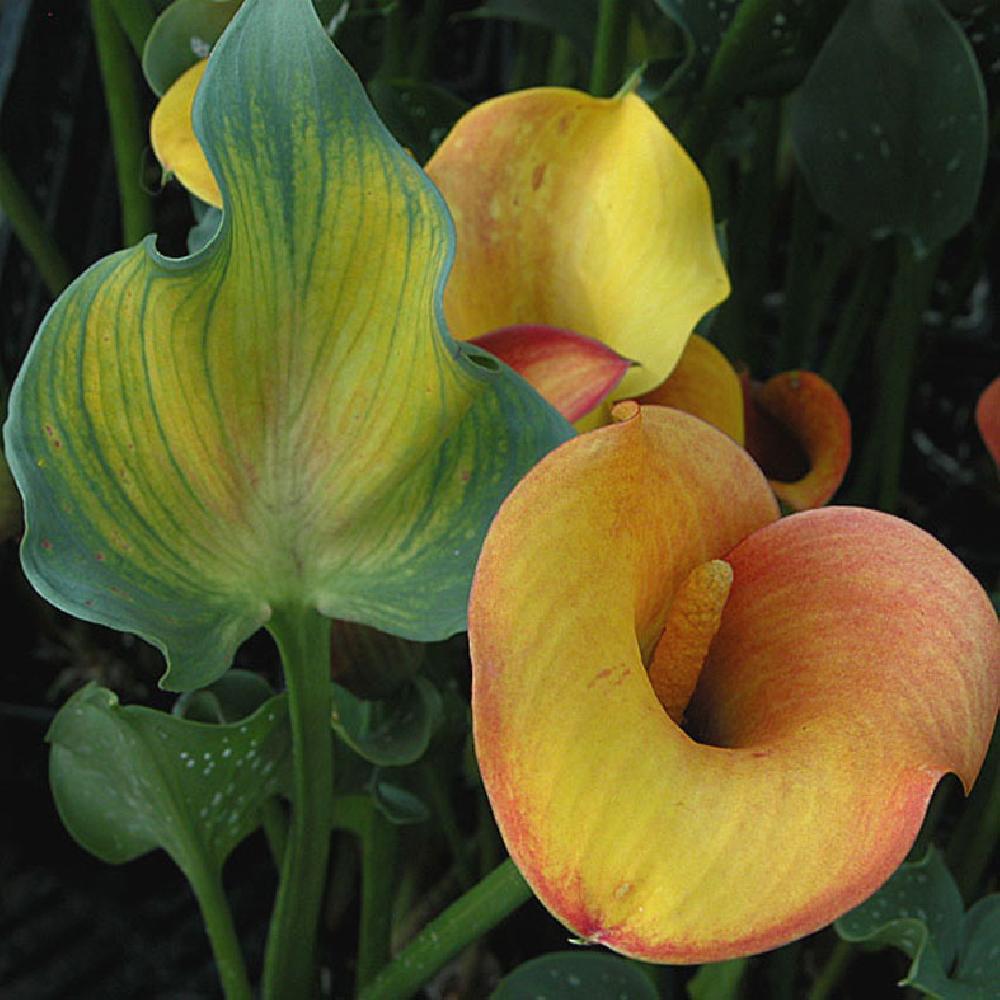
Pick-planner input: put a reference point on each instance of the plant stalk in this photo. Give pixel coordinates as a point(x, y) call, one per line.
point(30, 230)
point(608, 69)
point(303, 638)
point(136, 19)
point(218, 919)
point(128, 130)
point(465, 921)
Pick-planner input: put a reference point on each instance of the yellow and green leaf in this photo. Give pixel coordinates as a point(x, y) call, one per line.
point(282, 419)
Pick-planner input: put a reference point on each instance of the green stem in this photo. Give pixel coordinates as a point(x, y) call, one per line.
point(465, 921)
point(750, 25)
point(750, 244)
point(218, 918)
point(275, 822)
point(901, 327)
point(975, 839)
point(798, 274)
point(561, 71)
point(608, 69)
point(303, 638)
point(379, 842)
point(832, 972)
point(853, 323)
point(136, 19)
point(31, 231)
point(444, 811)
point(428, 26)
point(829, 269)
point(531, 59)
point(128, 131)
point(394, 43)
point(896, 346)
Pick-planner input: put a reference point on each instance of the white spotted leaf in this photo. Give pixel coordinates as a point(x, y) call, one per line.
point(127, 780)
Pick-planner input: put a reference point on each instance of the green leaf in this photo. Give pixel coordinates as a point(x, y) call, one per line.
point(719, 980)
point(399, 805)
point(771, 62)
point(890, 126)
point(208, 218)
point(919, 911)
point(184, 33)
point(576, 19)
point(187, 29)
point(979, 957)
point(569, 975)
point(129, 780)
point(418, 114)
point(234, 696)
point(369, 663)
point(392, 732)
point(281, 420)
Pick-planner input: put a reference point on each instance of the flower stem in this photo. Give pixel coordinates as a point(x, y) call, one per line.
point(379, 842)
point(303, 638)
point(832, 972)
point(428, 27)
point(975, 838)
point(853, 323)
point(609, 47)
point(31, 231)
point(896, 346)
point(218, 918)
point(128, 133)
point(466, 920)
point(136, 20)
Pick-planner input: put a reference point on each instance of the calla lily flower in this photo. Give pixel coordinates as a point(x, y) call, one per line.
point(581, 213)
point(988, 418)
point(795, 425)
point(281, 420)
point(704, 730)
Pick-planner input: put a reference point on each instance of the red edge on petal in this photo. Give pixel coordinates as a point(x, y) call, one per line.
point(572, 372)
point(567, 906)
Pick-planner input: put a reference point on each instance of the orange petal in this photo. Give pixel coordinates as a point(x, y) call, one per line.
point(579, 213)
point(988, 418)
point(574, 373)
point(799, 431)
point(705, 385)
point(173, 139)
point(628, 830)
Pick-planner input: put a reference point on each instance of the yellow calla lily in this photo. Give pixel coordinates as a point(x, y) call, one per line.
point(841, 661)
point(581, 213)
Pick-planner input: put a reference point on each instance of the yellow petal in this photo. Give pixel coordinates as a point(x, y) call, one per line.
point(580, 213)
point(705, 385)
point(173, 139)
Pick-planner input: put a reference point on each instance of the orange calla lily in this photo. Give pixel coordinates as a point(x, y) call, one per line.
point(988, 418)
point(841, 661)
point(795, 425)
